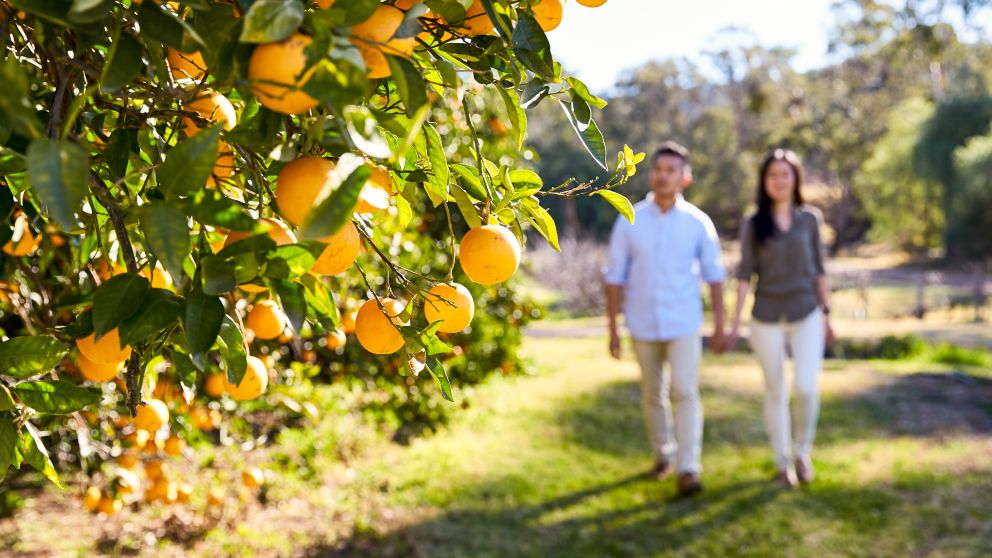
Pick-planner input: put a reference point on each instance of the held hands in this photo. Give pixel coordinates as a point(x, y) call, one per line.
point(615, 345)
point(730, 340)
point(718, 343)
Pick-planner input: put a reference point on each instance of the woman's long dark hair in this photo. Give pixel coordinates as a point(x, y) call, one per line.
point(764, 225)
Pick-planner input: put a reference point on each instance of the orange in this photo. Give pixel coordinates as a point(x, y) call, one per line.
point(266, 319)
point(158, 277)
point(277, 72)
point(476, 21)
point(27, 243)
point(341, 251)
point(225, 165)
point(452, 303)
point(591, 3)
point(175, 445)
point(103, 269)
point(162, 490)
point(205, 419)
point(98, 371)
point(183, 492)
point(151, 416)
point(374, 39)
point(127, 482)
point(187, 65)
point(548, 14)
point(213, 107)
point(107, 350)
point(373, 198)
point(155, 470)
point(381, 177)
point(214, 385)
point(128, 459)
point(348, 321)
point(253, 384)
point(376, 328)
point(215, 497)
point(489, 254)
point(325, 4)
point(92, 498)
point(336, 339)
point(138, 438)
point(298, 185)
point(109, 506)
point(252, 477)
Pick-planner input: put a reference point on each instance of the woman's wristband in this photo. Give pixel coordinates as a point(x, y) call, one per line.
point(825, 309)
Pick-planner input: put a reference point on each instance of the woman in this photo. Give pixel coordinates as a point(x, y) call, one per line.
point(780, 243)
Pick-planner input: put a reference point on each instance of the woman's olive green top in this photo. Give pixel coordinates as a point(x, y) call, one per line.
point(787, 264)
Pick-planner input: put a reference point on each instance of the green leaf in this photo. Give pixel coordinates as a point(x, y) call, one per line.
point(267, 21)
point(89, 11)
point(451, 10)
point(125, 65)
point(435, 154)
point(535, 90)
point(117, 299)
point(189, 163)
point(334, 208)
point(409, 83)
point(518, 117)
point(337, 81)
point(296, 259)
point(34, 453)
point(364, 131)
point(465, 206)
point(470, 180)
point(213, 208)
point(166, 232)
point(160, 310)
point(8, 443)
point(440, 376)
point(592, 138)
point(526, 183)
point(293, 302)
point(531, 46)
point(118, 151)
point(232, 349)
point(164, 26)
point(218, 275)
point(16, 107)
point(6, 400)
point(542, 221)
point(55, 397)
point(620, 202)
point(320, 301)
point(204, 316)
point(58, 172)
point(23, 357)
point(579, 88)
point(581, 112)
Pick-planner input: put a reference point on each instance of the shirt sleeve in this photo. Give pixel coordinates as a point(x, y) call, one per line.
point(618, 255)
point(748, 263)
point(710, 256)
point(819, 250)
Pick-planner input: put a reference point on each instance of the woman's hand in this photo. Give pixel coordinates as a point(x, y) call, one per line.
point(615, 345)
point(730, 340)
point(829, 331)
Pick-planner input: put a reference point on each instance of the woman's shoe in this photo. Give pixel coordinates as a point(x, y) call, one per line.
point(787, 478)
point(804, 471)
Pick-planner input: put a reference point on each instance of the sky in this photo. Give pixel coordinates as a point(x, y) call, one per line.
point(598, 44)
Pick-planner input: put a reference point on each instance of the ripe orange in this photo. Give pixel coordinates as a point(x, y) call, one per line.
point(325, 4)
point(376, 328)
point(373, 198)
point(27, 243)
point(107, 350)
point(336, 339)
point(266, 319)
point(158, 277)
point(452, 303)
point(225, 165)
point(591, 3)
point(277, 72)
point(213, 107)
point(215, 497)
point(252, 477)
point(489, 254)
point(128, 459)
point(213, 384)
point(98, 371)
point(348, 321)
point(152, 416)
point(175, 445)
point(374, 39)
point(298, 185)
point(548, 14)
point(205, 419)
point(127, 482)
point(109, 506)
point(253, 384)
point(341, 252)
point(183, 492)
point(187, 65)
point(162, 490)
point(92, 498)
point(155, 470)
point(476, 21)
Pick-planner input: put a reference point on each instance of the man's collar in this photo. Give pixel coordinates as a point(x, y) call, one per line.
point(679, 202)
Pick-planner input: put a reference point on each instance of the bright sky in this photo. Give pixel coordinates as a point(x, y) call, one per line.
point(597, 44)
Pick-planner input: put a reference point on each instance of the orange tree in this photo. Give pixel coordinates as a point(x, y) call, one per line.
point(188, 181)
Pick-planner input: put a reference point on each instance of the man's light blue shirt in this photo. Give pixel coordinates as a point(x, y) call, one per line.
point(659, 259)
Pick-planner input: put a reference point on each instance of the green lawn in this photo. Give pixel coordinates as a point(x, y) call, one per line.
point(553, 465)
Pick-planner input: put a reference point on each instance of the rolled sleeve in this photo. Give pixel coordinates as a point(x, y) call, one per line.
point(710, 256)
point(618, 256)
point(745, 269)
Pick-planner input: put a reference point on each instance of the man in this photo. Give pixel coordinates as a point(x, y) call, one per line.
point(655, 264)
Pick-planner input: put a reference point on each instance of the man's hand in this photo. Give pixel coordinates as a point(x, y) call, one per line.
point(730, 341)
point(718, 343)
point(614, 345)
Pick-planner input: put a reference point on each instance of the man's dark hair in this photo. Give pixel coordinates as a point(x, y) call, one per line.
point(672, 149)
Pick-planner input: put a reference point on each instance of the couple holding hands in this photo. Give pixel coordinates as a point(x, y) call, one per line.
point(653, 276)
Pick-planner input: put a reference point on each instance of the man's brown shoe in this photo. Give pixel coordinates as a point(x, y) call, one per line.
point(689, 484)
point(787, 478)
point(804, 471)
point(661, 468)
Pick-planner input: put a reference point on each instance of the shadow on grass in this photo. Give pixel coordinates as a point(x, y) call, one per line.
point(741, 512)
